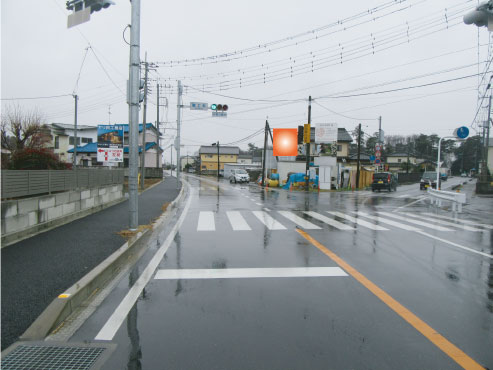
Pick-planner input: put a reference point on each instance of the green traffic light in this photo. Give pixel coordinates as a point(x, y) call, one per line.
point(213, 106)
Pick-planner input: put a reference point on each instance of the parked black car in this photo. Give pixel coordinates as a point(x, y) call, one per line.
point(429, 179)
point(384, 180)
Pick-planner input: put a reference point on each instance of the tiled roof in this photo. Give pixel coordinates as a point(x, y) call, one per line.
point(93, 147)
point(222, 150)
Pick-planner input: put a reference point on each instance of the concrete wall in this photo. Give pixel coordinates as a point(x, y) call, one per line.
point(26, 217)
point(283, 168)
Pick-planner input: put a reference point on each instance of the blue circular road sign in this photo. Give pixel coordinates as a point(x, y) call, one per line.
point(378, 161)
point(462, 132)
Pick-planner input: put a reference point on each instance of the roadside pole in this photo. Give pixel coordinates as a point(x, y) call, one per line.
point(157, 126)
point(218, 161)
point(486, 143)
point(134, 116)
point(359, 155)
point(307, 169)
point(144, 118)
point(178, 125)
point(265, 153)
point(74, 159)
point(380, 137)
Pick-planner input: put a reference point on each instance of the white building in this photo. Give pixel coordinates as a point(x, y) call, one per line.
point(63, 138)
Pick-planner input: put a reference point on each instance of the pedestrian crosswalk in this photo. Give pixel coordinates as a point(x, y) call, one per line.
point(247, 220)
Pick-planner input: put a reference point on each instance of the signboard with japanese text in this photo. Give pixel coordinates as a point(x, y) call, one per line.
point(326, 133)
point(110, 143)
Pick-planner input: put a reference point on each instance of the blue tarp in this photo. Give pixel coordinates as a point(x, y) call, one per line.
point(299, 177)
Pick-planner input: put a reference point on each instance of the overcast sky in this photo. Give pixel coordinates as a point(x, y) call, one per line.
point(378, 45)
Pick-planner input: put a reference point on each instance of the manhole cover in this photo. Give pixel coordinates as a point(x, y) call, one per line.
point(55, 356)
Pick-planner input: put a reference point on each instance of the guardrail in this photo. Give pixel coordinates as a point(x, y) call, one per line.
point(457, 199)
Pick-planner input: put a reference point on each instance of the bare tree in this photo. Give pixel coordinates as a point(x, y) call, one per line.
point(23, 129)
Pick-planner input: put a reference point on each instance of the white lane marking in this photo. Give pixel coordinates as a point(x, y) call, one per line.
point(206, 221)
point(441, 222)
point(410, 204)
point(259, 204)
point(237, 221)
point(116, 319)
point(412, 221)
point(405, 196)
point(456, 245)
point(358, 221)
point(238, 273)
point(388, 222)
point(329, 221)
point(268, 221)
point(298, 220)
point(459, 220)
point(266, 209)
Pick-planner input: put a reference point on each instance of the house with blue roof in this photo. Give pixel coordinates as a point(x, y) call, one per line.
point(87, 154)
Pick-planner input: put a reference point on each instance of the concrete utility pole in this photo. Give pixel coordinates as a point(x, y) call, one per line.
point(218, 162)
point(134, 77)
point(265, 153)
point(144, 127)
point(74, 159)
point(380, 135)
point(359, 154)
point(486, 135)
point(157, 126)
point(178, 125)
point(308, 144)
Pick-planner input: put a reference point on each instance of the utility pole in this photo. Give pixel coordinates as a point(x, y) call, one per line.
point(134, 77)
point(486, 132)
point(178, 125)
point(143, 153)
point(359, 154)
point(265, 152)
point(74, 159)
point(218, 162)
point(308, 145)
point(380, 136)
point(157, 126)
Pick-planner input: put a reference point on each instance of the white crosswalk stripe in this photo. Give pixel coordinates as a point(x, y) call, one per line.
point(206, 221)
point(298, 220)
point(388, 222)
point(358, 221)
point(459, 220)
point(328, 221)
point(413, 221)
point(237, 221)
point(268, 221)
point(442, 222)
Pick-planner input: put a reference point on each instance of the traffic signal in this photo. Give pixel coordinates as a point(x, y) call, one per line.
point(306, 133)
point(219, 107)
point(300, 135)
point(95, 5)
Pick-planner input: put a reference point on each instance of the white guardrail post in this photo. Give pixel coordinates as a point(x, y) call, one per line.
point(457, 199)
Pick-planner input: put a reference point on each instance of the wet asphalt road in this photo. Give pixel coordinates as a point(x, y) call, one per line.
point(439, 269)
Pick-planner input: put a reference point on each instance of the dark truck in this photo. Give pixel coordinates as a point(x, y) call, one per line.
point(384, 180)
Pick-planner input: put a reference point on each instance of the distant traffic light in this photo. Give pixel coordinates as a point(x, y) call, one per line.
point(95, 5)
point(219, 107)
point(481, 16)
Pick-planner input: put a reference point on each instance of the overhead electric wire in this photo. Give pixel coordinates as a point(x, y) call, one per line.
point(38, 97)
point(80, 71)
point(342, 115)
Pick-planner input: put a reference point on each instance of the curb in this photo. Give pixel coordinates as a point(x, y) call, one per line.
point(67, 302)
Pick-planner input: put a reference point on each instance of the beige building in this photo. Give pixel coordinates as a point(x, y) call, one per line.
point(209, 160)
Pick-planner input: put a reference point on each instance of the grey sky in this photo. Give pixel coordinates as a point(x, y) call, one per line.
point(41, 57)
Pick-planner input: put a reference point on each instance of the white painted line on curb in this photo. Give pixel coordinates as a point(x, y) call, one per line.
point(240, 273)
point(116, 319)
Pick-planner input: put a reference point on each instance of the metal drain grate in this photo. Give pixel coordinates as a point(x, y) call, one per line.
point(42, 356)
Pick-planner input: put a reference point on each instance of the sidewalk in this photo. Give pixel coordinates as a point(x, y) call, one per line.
point(36, 270)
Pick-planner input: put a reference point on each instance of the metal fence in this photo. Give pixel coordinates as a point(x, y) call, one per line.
point(18, 183)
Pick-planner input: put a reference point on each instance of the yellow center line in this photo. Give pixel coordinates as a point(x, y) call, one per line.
point(433, 336)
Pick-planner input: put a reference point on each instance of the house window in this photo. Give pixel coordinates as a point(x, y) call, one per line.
point(57, 142)
point(87, 140)
point(209, 155)
point(71, 140)
point(339, 148)
point(94, 161)
point(399, 160)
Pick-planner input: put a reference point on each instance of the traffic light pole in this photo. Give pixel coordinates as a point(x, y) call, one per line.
point(265, 153)
point(359, 156)
point(144, 129)
point(308, 145)
point(218, 161)
point(157, 126)
point(134, 78)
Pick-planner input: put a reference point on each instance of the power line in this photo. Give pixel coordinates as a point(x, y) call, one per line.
point(38, 97)
point(80, 71)
point(342, 115)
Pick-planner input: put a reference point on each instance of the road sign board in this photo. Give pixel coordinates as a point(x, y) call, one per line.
point(219, 114)
point(378, 161)
point(326, 133)
point(306, 133)
point(372, 157)
point(378, 154)
point(461, 132)
point(199, 106)
point(110, 143)
point(378, 147)
point(79, 17)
